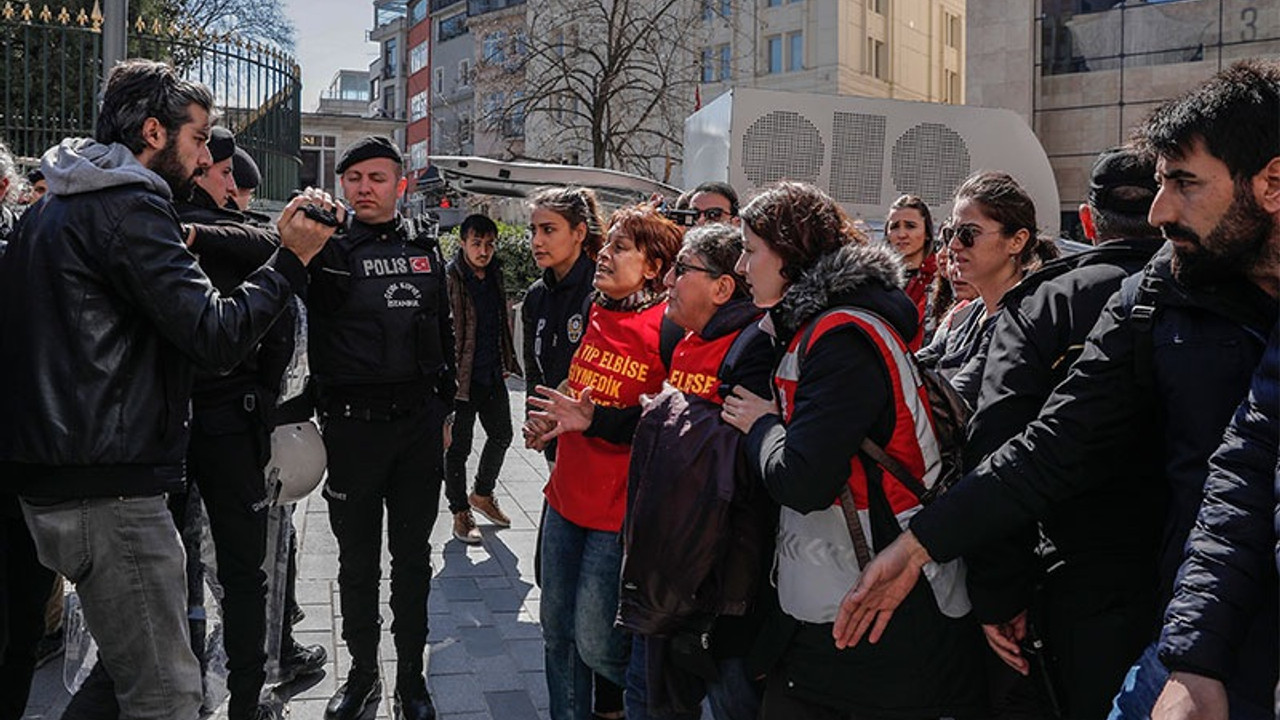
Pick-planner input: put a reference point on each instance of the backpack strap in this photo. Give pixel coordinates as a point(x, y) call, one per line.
point(895, 468)
point(1142, 318)
point(860, 548)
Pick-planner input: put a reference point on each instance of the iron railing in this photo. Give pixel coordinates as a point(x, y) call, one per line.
point(51, 73)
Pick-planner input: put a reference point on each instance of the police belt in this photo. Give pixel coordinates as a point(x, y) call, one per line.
point(378, 403)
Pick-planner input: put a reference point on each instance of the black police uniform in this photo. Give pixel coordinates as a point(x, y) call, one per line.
point(230, 447)
point(381, 351)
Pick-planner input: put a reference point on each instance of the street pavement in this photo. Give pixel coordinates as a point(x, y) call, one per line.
point(485, 655)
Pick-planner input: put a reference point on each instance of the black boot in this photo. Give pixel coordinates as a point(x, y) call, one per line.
point(412, 701)
point(301, 660)
point(362, 689)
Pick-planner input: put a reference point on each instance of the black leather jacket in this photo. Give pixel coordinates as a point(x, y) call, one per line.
point(103, 314)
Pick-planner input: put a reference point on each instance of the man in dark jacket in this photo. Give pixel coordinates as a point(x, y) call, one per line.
point(232, 419)
point(103, 313)
point(1097, 606)
point(1174, 348)
point(486, 354)
point(1224, 580)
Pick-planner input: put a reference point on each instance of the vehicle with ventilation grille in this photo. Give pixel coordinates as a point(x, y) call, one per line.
point(865, 152)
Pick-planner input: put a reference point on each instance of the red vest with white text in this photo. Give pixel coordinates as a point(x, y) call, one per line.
point(618, 359)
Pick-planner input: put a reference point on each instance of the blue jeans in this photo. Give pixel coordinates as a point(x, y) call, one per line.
point(733, 697)
point(580, 570)
point(127, 563)
point(1144, 683)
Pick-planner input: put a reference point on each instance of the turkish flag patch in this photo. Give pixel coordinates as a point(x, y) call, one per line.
point(420, 264)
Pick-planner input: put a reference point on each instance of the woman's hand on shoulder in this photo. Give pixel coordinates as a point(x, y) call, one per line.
point(742, 408)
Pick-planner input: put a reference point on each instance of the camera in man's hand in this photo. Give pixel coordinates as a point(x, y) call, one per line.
point(325, 217)
point(683, 218)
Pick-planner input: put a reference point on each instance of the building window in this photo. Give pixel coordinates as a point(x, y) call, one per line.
point(708, 69)
point(726, 63)
point(520, 44)
point(493, 110)
point(389, 59)
point(418, 107)
point(877, 59)
point(775, 3)
point(951, 30)
point(464, 130)
point(452, 27)
point(775, 54)
point(711, 8)
point(951, 87)
point(418, 12)
point(438, 84)
point(795, 51)
point(319, 158)
point(389, 108)
point(495, 51)
point(513, 125)
point(464, 72)
point(418, 155)
point(880, 7)
point(417, 58)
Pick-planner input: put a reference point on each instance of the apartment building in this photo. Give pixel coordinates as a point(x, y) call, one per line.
point(1083, 73)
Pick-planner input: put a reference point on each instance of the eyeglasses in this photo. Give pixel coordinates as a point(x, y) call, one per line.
point(711, 214)
point(682, 267)
point(966, 234)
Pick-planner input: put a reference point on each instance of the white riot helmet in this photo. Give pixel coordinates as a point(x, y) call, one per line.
point(297, 463)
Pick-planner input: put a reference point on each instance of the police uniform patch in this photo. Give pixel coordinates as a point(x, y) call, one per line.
point(420, 264)
point(574, 328)
point(403, 295)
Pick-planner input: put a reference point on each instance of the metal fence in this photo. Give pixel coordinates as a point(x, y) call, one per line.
point(51, 74)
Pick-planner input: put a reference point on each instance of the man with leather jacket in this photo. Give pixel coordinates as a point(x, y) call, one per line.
point(382, 356)
point(103, 315)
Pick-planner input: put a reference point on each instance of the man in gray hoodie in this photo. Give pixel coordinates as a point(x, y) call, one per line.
point(103, 314)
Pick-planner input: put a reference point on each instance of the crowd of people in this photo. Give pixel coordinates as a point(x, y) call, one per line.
point(741, 410)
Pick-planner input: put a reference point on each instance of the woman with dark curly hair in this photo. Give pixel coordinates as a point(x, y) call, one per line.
point(593, 418)
point(839, 316)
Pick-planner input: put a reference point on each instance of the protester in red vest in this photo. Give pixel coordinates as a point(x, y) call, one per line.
point(835, 304)
point(616, 363)
point(909, 229)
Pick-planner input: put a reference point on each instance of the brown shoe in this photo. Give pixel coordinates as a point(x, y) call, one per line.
point(464, 528)
point(488, 507)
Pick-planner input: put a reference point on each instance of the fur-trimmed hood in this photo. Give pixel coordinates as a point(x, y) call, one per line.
point(869, 276)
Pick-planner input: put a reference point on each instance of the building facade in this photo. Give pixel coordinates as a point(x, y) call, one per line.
point(904, 49)
point(1083, 73)
point(388, 75)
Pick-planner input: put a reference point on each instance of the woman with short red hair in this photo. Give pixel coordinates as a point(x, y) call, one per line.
point(593, 418)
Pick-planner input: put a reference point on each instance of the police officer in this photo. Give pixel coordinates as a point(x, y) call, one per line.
point(230, 429)
point(382, 356)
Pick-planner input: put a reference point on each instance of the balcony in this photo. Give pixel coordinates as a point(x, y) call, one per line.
point(480, 7)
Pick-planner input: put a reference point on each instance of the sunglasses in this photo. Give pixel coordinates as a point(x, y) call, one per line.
point(966, 234)
point(682, 267)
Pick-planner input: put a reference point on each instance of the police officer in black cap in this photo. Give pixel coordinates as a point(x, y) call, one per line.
point(381, 354)
point(232, 418)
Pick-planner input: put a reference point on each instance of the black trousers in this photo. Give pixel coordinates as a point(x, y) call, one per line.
point(492, 405)
point(24, 588)
point(398, 463)
point(228, 469)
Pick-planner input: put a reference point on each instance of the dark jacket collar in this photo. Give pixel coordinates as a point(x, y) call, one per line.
point(467, 273)
point(580, 273)
point(1239, 300)
point(1128, 252)
point(868, 276)
point(730, 318)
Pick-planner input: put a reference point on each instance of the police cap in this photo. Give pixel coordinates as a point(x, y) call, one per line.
point(368, 148)
point(222, 144)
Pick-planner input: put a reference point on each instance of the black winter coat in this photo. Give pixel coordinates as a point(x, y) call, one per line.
point(1105, 536)
point(103, 314)
point(926, 665)
point(229, 247)
point(1229, 575)
point(1166, 407)
point(554, 316)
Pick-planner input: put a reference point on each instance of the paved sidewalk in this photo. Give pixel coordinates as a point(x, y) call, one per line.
point(485, 648)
